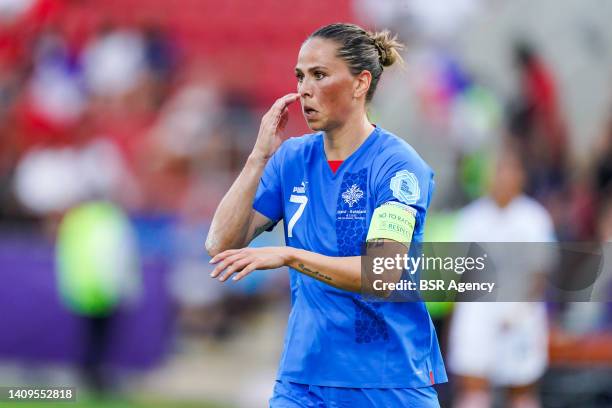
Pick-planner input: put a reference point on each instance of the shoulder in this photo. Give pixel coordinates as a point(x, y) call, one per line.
point(475, 208)
point(393, 148)
point(536, 220)
point(297, 148)
point(528, 207)
point(473, 217)
point(301, 148)
point(392, 152)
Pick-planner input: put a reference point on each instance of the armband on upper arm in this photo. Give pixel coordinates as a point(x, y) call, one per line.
point(394, 221)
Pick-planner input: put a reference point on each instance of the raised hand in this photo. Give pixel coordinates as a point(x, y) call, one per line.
point(272, 127)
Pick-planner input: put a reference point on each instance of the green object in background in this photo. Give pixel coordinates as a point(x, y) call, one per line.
point(440, 227)
point(438, 310)
point(486, 111)
point(474, 173)
point(483, 113)
point(96, 258)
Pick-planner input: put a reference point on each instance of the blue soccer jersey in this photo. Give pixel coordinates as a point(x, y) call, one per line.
point(335, 338)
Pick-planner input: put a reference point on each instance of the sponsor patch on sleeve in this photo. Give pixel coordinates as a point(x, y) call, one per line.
point(405, 187)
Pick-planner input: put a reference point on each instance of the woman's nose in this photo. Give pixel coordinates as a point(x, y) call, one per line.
point(304, 89)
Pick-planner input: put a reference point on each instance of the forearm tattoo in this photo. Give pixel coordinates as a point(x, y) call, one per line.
point(313, 273)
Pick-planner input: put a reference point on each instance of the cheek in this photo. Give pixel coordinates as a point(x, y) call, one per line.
point(336, 96)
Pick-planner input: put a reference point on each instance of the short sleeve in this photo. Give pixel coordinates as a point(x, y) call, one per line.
point(546, 230)
point(268, 198)
point(542, 255)
point(406, 181)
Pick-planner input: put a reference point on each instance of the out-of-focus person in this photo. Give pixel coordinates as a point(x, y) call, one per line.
point(604, 227)
point(603, 162)
point(537, 122)
point(502, 344)
point(98, 270)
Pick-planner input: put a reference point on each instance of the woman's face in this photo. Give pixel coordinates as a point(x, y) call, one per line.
point(325, 84)
point(509, 178)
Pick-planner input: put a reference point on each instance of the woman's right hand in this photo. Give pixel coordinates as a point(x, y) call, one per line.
point(271, 131)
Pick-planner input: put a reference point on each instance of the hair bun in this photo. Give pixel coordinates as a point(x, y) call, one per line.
point(362, 50)
point(388, 47)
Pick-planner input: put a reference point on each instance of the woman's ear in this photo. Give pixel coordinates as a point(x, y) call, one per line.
point(362, 84)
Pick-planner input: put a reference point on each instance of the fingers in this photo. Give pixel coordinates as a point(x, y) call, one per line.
point(225, 259)
point(237, 266)
point(222, 255)
point(288, 99)
point(274, 121)
point(283, 118)
point(245, 271)
point(284, 101)
point(231, 261)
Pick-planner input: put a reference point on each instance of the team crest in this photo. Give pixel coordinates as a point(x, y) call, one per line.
point(405, 187)
point(352, 195)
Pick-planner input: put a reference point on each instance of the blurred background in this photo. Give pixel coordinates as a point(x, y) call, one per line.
point(122, 124)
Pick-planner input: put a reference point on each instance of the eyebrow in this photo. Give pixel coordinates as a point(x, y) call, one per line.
point(317, 67)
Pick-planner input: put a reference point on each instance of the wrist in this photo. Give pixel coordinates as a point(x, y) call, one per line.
point(289, 255)
point(258, 159)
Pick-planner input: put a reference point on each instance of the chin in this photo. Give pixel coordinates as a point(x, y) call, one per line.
point(316, 125)
point(315, 128)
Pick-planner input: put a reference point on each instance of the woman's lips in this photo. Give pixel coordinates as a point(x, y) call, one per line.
point(309, 112)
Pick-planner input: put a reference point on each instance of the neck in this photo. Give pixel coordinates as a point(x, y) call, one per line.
point(503, 200)
point(341, 142)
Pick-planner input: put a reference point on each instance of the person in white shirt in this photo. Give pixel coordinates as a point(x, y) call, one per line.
point(503, 344)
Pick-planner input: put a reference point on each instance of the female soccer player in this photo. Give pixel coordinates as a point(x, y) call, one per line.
point(327, 187)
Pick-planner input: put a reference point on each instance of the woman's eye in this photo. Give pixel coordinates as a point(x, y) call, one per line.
point(319, 75)
point(299, 78)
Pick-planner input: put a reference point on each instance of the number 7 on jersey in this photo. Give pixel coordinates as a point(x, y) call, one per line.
point(301, 200)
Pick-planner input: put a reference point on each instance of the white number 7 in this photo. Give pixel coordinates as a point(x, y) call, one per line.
point(301, 200)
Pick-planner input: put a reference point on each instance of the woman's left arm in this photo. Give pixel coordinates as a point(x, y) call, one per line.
point(340, 272)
